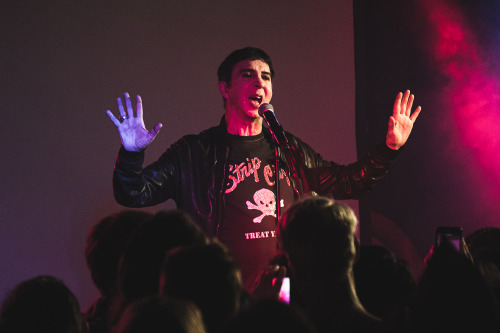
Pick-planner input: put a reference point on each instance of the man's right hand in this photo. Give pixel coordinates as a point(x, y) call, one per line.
point(133, 133)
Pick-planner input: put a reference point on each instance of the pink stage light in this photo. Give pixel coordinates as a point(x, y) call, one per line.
point(472, 94)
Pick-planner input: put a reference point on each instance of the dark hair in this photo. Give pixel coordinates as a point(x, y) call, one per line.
point(160, 314)
point(139, 267)
point(41, 304)
point(383, 282)
point(484, 247)
point(206, 275)
point(105, 244)
point(142, 258)
point(320, 227)
point(453, 296)
point(225, 69)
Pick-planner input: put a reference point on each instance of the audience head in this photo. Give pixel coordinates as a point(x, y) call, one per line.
point(206, 275)
point(383, 282)
point(484, 247)
point(42, 304)
point(139, 268)
point(157, 314)
point(105, 244)
point(318, 236)
point(142, 258)
point(452, 296)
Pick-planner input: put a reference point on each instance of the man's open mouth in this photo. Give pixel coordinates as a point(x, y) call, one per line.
point(256, 98)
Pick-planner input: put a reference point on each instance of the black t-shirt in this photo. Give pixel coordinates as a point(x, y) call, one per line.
point(249, 224)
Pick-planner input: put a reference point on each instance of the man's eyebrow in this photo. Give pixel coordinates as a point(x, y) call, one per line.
point(244, 70)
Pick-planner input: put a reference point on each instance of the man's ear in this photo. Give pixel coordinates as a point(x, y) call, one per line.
point(223, 87)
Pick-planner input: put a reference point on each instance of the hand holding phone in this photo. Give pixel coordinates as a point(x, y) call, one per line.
point(269, 283)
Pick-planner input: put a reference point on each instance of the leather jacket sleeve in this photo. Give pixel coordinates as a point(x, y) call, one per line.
point(134, 186)
point(190, 171)
point(341, 181)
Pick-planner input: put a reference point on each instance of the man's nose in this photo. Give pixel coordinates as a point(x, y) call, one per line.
point(259, 82)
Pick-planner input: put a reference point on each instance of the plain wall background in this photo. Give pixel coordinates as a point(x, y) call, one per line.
point(63, 63)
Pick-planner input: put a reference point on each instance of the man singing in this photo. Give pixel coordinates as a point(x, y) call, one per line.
point(226, 176)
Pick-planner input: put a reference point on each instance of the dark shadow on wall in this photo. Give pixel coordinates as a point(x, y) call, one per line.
point(387, 60)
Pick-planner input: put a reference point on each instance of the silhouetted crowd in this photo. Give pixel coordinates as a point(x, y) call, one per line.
point(161, 273)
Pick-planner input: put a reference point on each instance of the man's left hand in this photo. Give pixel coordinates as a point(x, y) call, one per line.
point(401, 121)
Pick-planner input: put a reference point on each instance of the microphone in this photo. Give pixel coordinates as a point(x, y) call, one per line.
point(266, 111)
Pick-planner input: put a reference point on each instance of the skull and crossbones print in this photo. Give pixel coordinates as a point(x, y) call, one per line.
point(265, 202)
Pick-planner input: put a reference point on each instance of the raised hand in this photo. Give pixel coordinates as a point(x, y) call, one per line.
point(133, 133)
point(401, 121)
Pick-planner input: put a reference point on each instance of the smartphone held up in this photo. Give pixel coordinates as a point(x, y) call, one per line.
point(454, 235)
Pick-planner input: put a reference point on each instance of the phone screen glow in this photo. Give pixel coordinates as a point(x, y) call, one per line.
point(284, 295)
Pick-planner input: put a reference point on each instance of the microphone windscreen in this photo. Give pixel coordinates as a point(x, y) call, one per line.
point(265, 107)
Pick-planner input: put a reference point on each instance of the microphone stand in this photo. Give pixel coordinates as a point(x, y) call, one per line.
point(280, 142)
point(290, 164)
point(277, 173)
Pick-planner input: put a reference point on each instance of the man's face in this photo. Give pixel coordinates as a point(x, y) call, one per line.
point(250, 87)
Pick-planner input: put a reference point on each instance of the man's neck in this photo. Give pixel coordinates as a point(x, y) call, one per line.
point(237, 126)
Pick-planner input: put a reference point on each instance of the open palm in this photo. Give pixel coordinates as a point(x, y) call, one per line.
point(401, 121)
point(133, 133)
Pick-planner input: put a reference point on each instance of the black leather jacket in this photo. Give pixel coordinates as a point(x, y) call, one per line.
point(192, 173)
